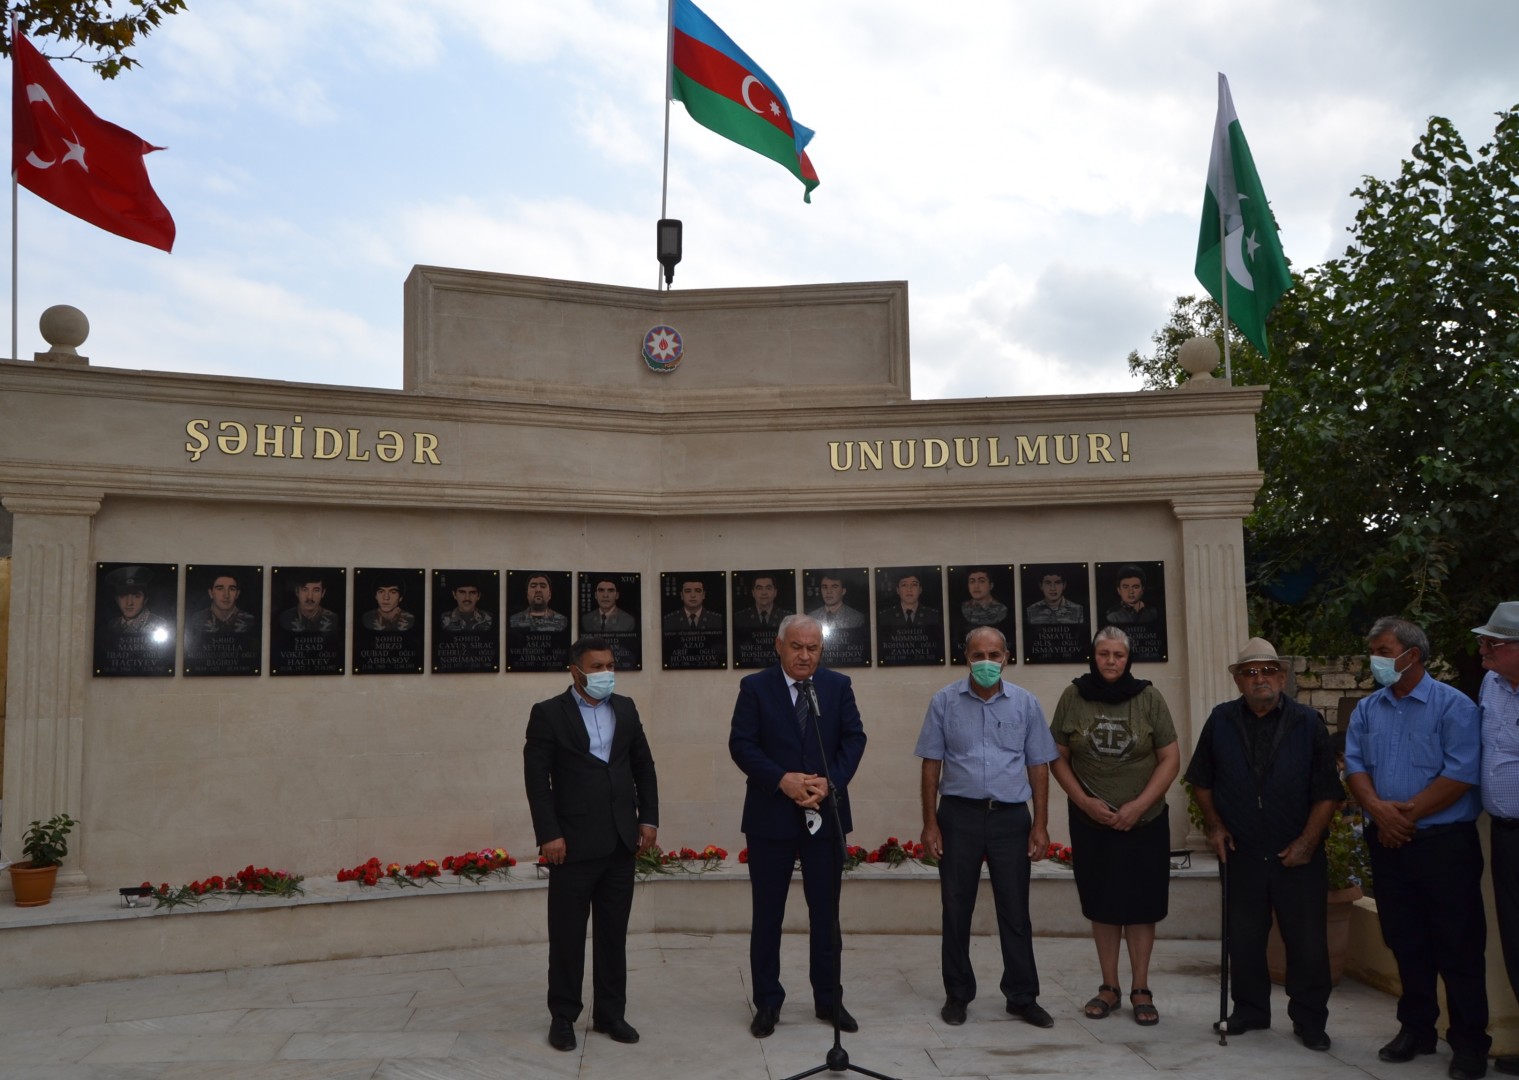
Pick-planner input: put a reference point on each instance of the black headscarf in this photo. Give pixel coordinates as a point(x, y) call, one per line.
point(1093, 687)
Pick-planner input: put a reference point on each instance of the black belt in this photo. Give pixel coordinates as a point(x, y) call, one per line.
point(984, 804)
point(1505, 823)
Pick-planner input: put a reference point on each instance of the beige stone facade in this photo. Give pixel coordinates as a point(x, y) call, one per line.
point(531, 434)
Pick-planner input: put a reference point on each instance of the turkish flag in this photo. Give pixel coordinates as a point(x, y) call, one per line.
point(87, 166)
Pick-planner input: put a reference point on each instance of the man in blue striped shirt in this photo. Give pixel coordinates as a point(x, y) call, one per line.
point(1498, 643)
point(1412, 755)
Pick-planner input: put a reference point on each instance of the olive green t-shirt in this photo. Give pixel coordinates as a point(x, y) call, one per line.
point(1113, 746)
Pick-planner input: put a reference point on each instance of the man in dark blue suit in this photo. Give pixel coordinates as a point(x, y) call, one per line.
point(775, 740)
point(595, 805)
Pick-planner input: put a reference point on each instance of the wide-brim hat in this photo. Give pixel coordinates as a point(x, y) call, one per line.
point(1256, 650)
point(1503, 623)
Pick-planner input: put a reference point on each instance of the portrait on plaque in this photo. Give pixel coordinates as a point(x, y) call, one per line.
point(839, 598)
point(306, 634)
point(609, 605)
point(693, 635)
point(980, 594)
point(134, 618)
point(388, 603)
point(224, 619)
point(1133, 598)
point(538, 630)
point(759, 601)
point(1057, 624)
point(909, 616)
point(466, 621)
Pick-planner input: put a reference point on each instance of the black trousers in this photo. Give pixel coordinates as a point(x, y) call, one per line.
point(1503, 840)
point(599, 889)
point(770, 866)
point(970, 831)
point(1299, 895)
point(1429, 901)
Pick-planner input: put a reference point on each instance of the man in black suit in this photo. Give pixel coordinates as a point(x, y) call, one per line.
point(775, 741)
point(595, 804)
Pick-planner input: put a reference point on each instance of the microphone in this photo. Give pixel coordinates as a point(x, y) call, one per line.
point(812, 699)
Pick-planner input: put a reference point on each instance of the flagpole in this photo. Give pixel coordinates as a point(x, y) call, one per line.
point(664, 179)
point(1223, 237)
point(14, 301)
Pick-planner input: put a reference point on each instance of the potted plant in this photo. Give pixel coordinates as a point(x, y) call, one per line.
point(44, 844)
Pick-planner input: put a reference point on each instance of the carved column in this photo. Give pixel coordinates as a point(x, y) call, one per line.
point(48, 659)
point(1213, 565)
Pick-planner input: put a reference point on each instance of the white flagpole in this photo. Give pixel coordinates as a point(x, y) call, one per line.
point(14, 301)
point(664, 179)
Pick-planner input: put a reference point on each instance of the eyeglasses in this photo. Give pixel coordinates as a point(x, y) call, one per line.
point(1487, 644)
point(1257, 672)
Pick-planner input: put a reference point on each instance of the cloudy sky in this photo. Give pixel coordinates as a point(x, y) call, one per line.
point(1033, 170)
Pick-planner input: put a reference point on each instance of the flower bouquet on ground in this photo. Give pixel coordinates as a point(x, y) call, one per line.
point(1058, 853)
point(249, 881)
point(655, 860)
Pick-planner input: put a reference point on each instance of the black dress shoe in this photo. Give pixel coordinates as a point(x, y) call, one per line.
point(846, 1022)
point(1238, 1025)
point(763, 1024)
point(1467, 1067)
point(1507, 1063)
point(953, 1011)
point(1313, 1039)
point(1405, 1045)
point(561, 1033)
point(1032, 1013)
point(620, 1030)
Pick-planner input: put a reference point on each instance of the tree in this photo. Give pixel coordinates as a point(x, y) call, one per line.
point(1390, 432)
point(99, 36)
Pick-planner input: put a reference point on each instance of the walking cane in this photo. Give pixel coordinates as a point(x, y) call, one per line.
point(1223, 957)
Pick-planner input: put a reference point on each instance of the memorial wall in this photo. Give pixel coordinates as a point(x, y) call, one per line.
point(298, 625)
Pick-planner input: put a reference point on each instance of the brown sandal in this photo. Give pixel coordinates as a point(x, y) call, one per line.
point(1145, 1014)
point(1097, 1009)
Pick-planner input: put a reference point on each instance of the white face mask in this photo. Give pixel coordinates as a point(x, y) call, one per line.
point(1384, 669)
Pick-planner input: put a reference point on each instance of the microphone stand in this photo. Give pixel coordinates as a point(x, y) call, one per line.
point(838, 1058)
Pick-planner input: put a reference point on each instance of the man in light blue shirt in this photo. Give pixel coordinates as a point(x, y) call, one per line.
point(1498, 644)
point(986, 750)
point(1412, 754)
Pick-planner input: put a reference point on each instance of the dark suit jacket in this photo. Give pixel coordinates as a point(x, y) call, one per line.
point(592, 803)
point(766, 743)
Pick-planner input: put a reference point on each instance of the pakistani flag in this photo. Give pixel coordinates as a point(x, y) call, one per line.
point(1237, 242)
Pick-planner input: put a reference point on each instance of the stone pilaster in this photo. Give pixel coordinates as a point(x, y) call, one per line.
point(1213, 563)
point(47, 662)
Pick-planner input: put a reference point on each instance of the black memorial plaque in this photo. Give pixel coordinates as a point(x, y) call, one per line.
point(909, 616)
point(609, 609)
point(1132, 597)
point(839, 598)
point(466, 621)
point(538, 631)
point(306, 634)
point(1057, 615)
point(760, 600)
point(693, 636)
point(224, 619)
point(134, 618)
point(388, 603)
point(980, 594)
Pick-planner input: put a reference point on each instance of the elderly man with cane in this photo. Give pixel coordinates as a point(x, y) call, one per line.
point(1264, 775)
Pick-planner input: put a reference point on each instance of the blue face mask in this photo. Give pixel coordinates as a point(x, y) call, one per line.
point(1384, 669)
point(986, 673)
point(599, 684)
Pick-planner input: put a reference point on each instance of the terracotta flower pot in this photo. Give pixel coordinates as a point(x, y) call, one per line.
point(33, 885)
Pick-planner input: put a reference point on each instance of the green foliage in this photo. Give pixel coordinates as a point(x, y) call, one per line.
point(96, 34)
point(1386, 435)
point(47, 844)
point(1191, 316)
point(1345, 850)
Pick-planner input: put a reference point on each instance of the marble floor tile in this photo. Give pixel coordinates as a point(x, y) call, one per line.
point(141, 1049)
point(353, 986)
point(314, 1018)
point(44, 1048)
point(12, 1071)
point(179, 1024)
point(368, 1044)
point(147, 1005)
point(275, 1070)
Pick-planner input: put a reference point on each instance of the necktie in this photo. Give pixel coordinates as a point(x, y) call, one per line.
point(803, 709)
point(909, 618)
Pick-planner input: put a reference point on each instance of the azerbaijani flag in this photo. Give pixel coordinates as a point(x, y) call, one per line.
point(729, 93)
